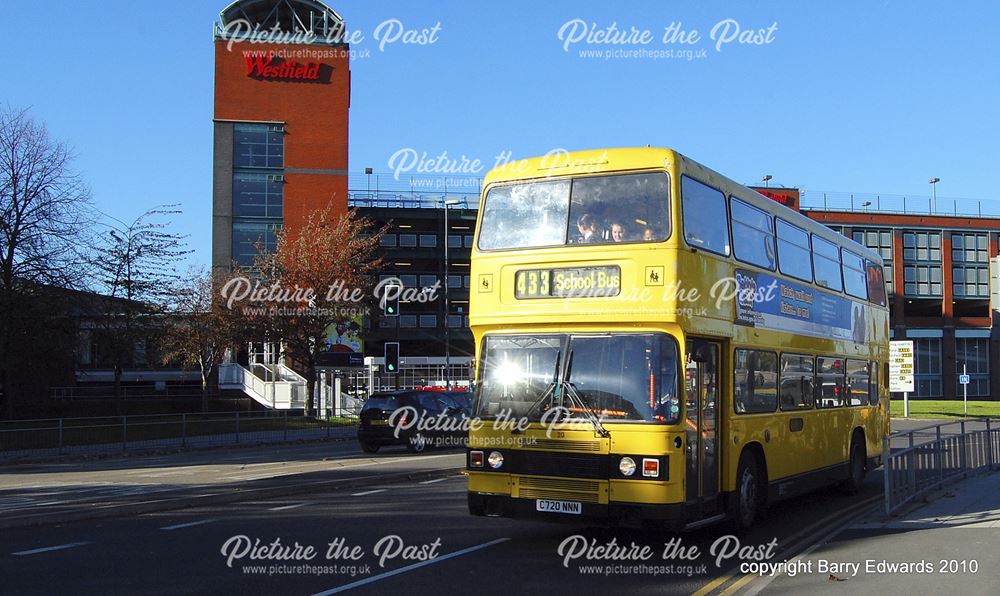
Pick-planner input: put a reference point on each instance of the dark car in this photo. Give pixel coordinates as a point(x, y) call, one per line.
point(442, 414)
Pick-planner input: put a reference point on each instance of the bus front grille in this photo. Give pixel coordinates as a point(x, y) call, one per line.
point(562, 444)
point(559, 489)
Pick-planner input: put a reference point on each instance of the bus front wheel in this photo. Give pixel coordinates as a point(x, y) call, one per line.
point(748, 496)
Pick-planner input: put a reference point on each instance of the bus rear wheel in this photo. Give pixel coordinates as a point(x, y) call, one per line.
point(855, 468)
point(748, 498)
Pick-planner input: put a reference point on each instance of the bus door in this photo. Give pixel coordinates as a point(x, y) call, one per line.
point(702, 384)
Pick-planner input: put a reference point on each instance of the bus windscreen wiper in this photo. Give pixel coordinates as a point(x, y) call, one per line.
point(592, 416)
point(548, 391)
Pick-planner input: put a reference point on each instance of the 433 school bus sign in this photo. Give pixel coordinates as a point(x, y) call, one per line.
point(576, 282)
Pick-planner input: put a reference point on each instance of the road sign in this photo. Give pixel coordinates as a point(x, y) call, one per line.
point(901, 366)
point(963, 379)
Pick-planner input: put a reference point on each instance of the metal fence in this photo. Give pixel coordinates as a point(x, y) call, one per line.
point(118, 434)
point(918, 469)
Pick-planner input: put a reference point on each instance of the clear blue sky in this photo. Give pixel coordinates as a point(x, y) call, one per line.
point(848, 96)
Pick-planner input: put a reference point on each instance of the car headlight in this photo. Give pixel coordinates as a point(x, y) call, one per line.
point(626, 466)
point(495, 460)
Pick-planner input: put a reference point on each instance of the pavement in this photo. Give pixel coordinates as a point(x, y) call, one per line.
point(60, 492)
point(949, 545)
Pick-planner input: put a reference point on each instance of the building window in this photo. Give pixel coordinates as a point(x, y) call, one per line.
point(427, 281)
point(428, 241)
point(970, 248)
point(408, 280)
point(408, 240)
point(922, 246)
point(249, 236)
point(927, 373)
point(258, 145)
point(974, 354)
point(971, 272)
point(971, 281)
point(388, 240)
point(922, 264)
point(922, 280)
point(468, 281)
point(879, 241)
point(428, 321)
point(408, 321)
point(454, 241)
point(256, 194)
point(468, 240)
point(454, 281)
point(454, 321)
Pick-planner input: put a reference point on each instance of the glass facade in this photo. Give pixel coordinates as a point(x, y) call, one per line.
point(974, 354)
point(970, 265)
point(258, 188)
point(927, 367)
point(922, 264)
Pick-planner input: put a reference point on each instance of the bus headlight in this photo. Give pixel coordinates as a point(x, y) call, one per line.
point(475, 459)
point(495, 459)
point(626, 466)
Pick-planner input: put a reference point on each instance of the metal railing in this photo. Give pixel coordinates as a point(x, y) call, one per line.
point(118, 434)
point(918, 469)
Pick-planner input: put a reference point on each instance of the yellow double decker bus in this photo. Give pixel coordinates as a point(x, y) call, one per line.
point(656, 342)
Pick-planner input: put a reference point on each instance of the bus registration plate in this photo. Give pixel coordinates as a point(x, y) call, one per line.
point(571, 507)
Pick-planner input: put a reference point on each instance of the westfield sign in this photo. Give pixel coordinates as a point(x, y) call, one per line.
point(269, 67)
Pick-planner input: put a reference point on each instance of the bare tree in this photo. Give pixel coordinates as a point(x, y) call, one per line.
point(135, 265)
point(328, 251)
point(199, 328)
point(43, 213)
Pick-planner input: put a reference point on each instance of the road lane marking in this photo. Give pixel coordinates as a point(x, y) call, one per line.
point(187, 525)
point(433, 481)
point(376, 578)
point(369, 492)
point(287, 507)
point(46, 549)
point(796, 540)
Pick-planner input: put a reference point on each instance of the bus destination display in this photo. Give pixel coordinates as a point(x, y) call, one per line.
point(575, 282)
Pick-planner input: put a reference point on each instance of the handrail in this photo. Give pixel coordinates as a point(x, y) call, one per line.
point(918, 469)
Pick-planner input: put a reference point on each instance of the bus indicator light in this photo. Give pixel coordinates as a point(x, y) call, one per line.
point(476, 459)
point(650, 467)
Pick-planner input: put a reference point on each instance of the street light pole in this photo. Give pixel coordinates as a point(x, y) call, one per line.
point(933, 182)
point(447, 311)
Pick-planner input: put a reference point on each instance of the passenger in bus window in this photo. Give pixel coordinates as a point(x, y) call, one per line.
point(587, 225)
point(648, 235)
point(618, 232)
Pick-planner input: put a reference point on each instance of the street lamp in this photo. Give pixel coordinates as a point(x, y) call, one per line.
point(933, 182)
point(447, 327)
point(368, 173)
point(766, 179)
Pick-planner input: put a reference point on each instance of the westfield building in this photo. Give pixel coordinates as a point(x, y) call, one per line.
point(282, 94)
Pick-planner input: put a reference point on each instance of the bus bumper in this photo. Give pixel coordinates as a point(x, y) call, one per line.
point(615, 513)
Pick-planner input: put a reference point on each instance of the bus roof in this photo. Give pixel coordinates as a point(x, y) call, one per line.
point(599, 161)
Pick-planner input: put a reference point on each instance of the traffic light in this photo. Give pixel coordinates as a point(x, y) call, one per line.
point(392, 357)
point(390, 300)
